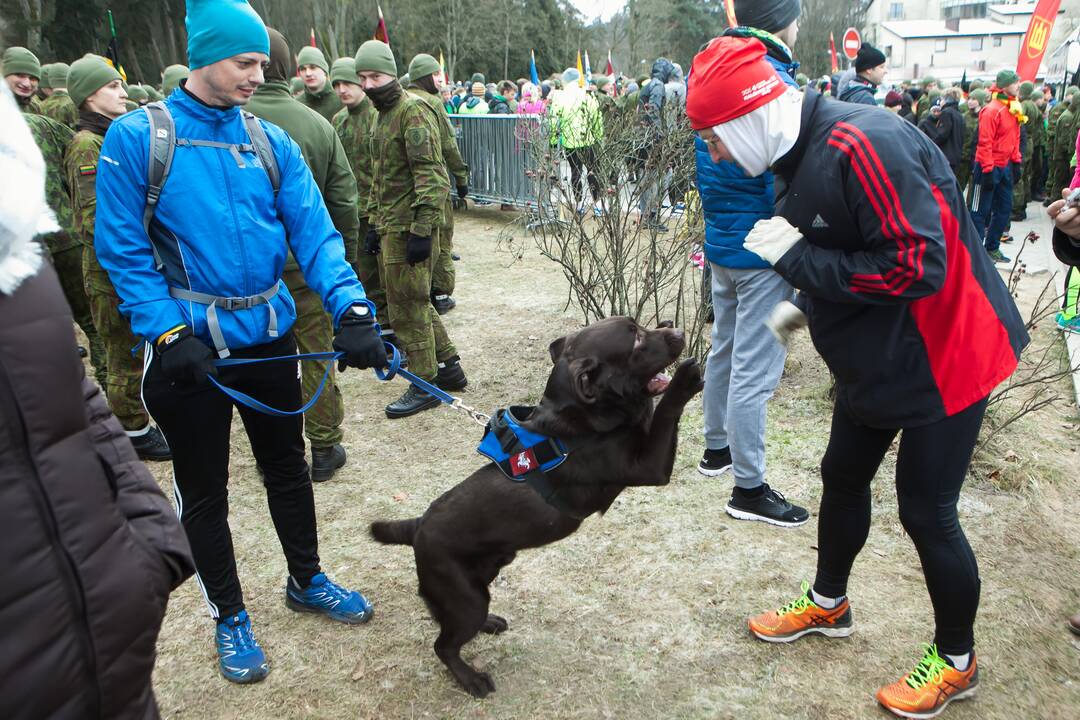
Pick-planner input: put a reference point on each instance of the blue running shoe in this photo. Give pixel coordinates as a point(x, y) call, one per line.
point(240, 658)
point(328, 598)
point(1071, 325)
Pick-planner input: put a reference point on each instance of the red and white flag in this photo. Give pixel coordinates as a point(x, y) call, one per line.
point(380, 29)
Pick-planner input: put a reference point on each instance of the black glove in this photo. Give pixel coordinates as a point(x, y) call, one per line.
point(462, 191)
point(359, 340)
point(185, 359)
point(372, 244)
point(1017, 169)
point(986, 179)
point(417, 249)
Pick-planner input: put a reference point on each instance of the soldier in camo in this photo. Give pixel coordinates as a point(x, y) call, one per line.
point(408, 194)
point(95, 86)
point(422, 72)
point(1033, 137)
point(1064, 145)
point(22, 72)
point(353, 124)
point(58, 105)
point(64, 246)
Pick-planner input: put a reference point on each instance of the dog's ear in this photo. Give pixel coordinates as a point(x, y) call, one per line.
point(581, 375)
point(556, 349)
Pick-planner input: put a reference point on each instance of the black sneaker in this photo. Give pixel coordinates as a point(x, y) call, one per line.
point(451, 377)
point(715, 462)
point(412, 401)
point(443, 303)
point(770, 506)
point(151, 446)
point(325, 461)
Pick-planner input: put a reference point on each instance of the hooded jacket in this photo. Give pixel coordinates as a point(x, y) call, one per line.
point(905, 306)
point(732, 202)
point(218, 226)
point(859, 90)
point(91, 547)
point(654, 95)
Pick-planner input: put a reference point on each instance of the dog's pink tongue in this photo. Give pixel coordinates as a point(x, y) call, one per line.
point(658, 384)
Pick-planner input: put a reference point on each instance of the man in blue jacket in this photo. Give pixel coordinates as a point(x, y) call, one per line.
point(205, 271)
point(745, 362)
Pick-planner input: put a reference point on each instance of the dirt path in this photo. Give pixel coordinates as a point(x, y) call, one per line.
point(642, 613)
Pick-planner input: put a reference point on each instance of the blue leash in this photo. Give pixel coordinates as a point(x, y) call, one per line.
point(392, 370)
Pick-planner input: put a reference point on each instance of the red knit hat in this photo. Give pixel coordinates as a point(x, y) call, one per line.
point(729, 79)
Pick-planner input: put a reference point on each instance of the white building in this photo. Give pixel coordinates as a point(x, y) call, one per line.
point(948, 48)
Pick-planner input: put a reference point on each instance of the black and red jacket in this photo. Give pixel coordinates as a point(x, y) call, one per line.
point(905, 306)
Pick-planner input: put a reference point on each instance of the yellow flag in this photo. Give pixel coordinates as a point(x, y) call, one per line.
point(580, 71)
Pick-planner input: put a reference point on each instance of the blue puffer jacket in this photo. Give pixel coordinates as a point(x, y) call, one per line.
point(731, 201)
point(217, 227)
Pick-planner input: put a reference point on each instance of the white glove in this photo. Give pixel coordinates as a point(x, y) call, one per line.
point(785, 319)
point(771, 238)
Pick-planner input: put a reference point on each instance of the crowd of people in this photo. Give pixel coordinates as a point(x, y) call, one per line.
point(263, 203)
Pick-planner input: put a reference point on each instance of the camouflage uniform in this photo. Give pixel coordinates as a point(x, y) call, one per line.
point(60, 108)
point(353, 126)
point(123, 356)
point(1061, 154)
point(971, 134)
point(1032, 138)
point(1051, 143)
point(443, 277)
point(409, 191)
point(64, 246)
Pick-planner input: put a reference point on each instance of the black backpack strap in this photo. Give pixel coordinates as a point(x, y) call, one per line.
point(263, 149)
point(162, 145)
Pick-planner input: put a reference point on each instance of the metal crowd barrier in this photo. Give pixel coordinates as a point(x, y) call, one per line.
point(500, 153)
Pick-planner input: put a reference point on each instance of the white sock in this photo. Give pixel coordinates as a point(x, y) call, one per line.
point(960, 662)
point(826, 603)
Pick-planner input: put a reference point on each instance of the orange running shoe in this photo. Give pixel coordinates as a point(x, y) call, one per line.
point(930, 687)
point(801, 617)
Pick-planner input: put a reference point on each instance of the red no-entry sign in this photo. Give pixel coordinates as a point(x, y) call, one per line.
point(852, 42)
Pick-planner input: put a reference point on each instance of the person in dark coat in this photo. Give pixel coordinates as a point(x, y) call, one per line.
point(944, 125)
point(909, 314)
point(869, 72)
point(91, 548)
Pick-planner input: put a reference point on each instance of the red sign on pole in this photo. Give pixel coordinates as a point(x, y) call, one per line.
point(851, 43)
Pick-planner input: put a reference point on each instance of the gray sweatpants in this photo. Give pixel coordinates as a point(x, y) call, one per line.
point(744, 367)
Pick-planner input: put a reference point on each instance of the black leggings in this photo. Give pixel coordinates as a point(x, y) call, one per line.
point(930, 468)
point(583, 158)
point(196, 422)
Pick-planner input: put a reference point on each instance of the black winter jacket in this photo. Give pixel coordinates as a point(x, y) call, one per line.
point(947, 131)
point(90, 547)
point(905, 306)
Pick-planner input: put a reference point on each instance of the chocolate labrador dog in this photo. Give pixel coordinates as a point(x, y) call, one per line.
point(598, 404)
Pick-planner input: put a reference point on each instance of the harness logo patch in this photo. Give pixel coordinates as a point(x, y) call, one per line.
point(523, 462)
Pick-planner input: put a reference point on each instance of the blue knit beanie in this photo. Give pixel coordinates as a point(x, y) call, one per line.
point(219, 29)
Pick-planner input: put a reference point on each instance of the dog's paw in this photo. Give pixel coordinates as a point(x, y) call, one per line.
point(478, 684)
point(687, 381)
point(494, 625)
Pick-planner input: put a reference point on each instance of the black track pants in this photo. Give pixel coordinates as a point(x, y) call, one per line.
point(930, 469)
point(196, 422)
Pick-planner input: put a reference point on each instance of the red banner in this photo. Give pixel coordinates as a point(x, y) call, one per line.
point(832, 53)
point(1038, 35)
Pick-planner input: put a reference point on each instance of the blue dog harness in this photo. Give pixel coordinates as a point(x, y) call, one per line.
point(525, 456)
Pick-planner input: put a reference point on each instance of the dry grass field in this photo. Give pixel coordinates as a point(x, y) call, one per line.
point(642, 613)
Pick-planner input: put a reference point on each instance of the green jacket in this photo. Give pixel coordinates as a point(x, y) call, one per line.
point(455, 165)
point(1034, 127)
point(323, 153)
point(1051, 124)
point(60, 108)
point(410, 185)
point(52, 139)
point(325, 102)
point(1063, 145)
point(353, 126)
